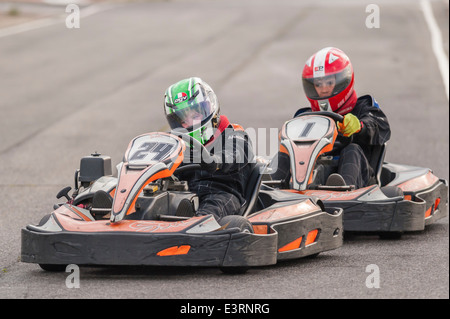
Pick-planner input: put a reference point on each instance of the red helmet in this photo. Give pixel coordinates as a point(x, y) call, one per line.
point(328, 81)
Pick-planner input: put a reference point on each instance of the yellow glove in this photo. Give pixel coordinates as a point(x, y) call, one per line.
point(350, 125)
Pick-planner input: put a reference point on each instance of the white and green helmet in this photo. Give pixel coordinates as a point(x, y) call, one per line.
point(192, 105)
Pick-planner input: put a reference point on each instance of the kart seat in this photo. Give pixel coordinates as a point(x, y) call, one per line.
point(377, 160)
point(252, 190)
point(101, 204)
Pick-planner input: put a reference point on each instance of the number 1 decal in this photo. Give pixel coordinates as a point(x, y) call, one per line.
point(307, 129)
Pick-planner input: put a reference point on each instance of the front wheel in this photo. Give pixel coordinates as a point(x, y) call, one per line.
point(53, 267)
point(234, 270)
point(236, 221)
point(395, 235)
point(244, 225)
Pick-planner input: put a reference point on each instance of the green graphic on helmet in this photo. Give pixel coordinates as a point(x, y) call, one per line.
point(181, 97)
point(191, 104)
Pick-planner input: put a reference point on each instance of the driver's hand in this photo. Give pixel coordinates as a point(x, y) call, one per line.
point(350, 125)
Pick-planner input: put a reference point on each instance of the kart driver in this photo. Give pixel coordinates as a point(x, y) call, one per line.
point(191, 105)
point(328, 83)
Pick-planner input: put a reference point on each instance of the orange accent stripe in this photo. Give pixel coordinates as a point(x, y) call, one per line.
point(292, 245)
point(418, 183)
point(175, 250)
point(237, 127)
point(436, 203)
point(310, 180)
point(312, 236)
point(66, 210)
point(334, 195)
point(433, 207)
point(139, 226)
point(79, 213)
point(283, 149)
point(280, 213)
point(260, 229)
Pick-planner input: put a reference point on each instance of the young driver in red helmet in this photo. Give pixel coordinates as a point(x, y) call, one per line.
point(328, 82)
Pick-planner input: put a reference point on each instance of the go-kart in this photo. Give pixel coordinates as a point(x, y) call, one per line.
point(146, 216)
point(401, 198)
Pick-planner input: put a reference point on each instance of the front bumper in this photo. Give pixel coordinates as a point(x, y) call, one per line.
point(222, 248)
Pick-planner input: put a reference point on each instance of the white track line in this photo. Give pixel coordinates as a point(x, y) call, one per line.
point(436, 41)
point(40, 23)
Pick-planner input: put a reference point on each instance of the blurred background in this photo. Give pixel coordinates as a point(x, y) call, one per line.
point(68, 92)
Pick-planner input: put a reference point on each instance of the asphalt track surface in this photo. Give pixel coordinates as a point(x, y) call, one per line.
point(65, 93)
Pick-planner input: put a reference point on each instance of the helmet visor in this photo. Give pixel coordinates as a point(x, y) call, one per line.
point(327, 86)
point(189, 114)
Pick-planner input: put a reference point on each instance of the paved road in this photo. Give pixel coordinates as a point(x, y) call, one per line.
point(65, 93)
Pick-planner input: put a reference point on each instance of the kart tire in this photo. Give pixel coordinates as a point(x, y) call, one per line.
point(44, 219)
point(312, 256)
point(236, 221)
point(53, 267)
point(394, 235)
point(392, 191)
point(234, 270)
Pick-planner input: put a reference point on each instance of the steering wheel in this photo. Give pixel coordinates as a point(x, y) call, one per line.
point(197, 156)
point(334, 116)
point(341, 140)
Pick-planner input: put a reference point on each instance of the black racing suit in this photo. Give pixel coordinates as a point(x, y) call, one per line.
point(357, 159)
point(221, 192)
